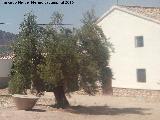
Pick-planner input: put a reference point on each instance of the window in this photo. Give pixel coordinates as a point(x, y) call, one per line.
point(139, 41)
point(141, 75)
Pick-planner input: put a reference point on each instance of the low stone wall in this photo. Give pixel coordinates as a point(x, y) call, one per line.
point(136, 92)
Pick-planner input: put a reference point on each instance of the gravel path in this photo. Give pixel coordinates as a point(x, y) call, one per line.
point(90, 108)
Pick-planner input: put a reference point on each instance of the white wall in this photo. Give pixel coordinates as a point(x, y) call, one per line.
point(122, 27)
point(5, 65)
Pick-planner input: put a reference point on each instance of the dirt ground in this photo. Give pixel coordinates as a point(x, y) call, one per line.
point(84, 107)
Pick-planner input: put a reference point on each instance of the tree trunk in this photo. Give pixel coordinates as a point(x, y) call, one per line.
point(107, 88)
point(60, 98)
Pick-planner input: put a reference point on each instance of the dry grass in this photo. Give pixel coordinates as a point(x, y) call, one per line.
point(88, 108)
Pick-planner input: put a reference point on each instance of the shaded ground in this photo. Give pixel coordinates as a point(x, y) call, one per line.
point(85, 107)
point(106, 110)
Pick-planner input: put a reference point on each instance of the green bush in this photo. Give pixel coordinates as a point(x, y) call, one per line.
point(17, 84)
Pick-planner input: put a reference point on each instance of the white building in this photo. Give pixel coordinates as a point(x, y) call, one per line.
point(135, 34)
point(5, 65)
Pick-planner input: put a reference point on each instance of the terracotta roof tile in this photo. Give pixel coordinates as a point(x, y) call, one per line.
point(152, 12)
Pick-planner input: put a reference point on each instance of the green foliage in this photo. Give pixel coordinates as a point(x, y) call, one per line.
point(68, 57)
point(74, 58)
point(95, 53)
point(27, 57)
point(18, 84)
point(61, 56)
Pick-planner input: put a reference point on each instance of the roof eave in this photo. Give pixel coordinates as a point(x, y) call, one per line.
point(106, 14)
point(127, 11)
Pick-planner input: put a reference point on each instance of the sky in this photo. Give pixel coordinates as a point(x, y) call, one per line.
point(13, 14)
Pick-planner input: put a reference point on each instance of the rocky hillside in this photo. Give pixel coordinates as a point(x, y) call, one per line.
point(6, 37)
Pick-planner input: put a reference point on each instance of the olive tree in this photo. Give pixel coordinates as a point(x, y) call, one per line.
point(74, 58)
point(60, 59)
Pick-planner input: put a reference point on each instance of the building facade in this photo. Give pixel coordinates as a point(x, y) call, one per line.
point(135, 34)
point(5, 65)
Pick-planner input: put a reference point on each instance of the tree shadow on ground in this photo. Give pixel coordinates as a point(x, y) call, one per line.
point(36, 110)
point(106, 110)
